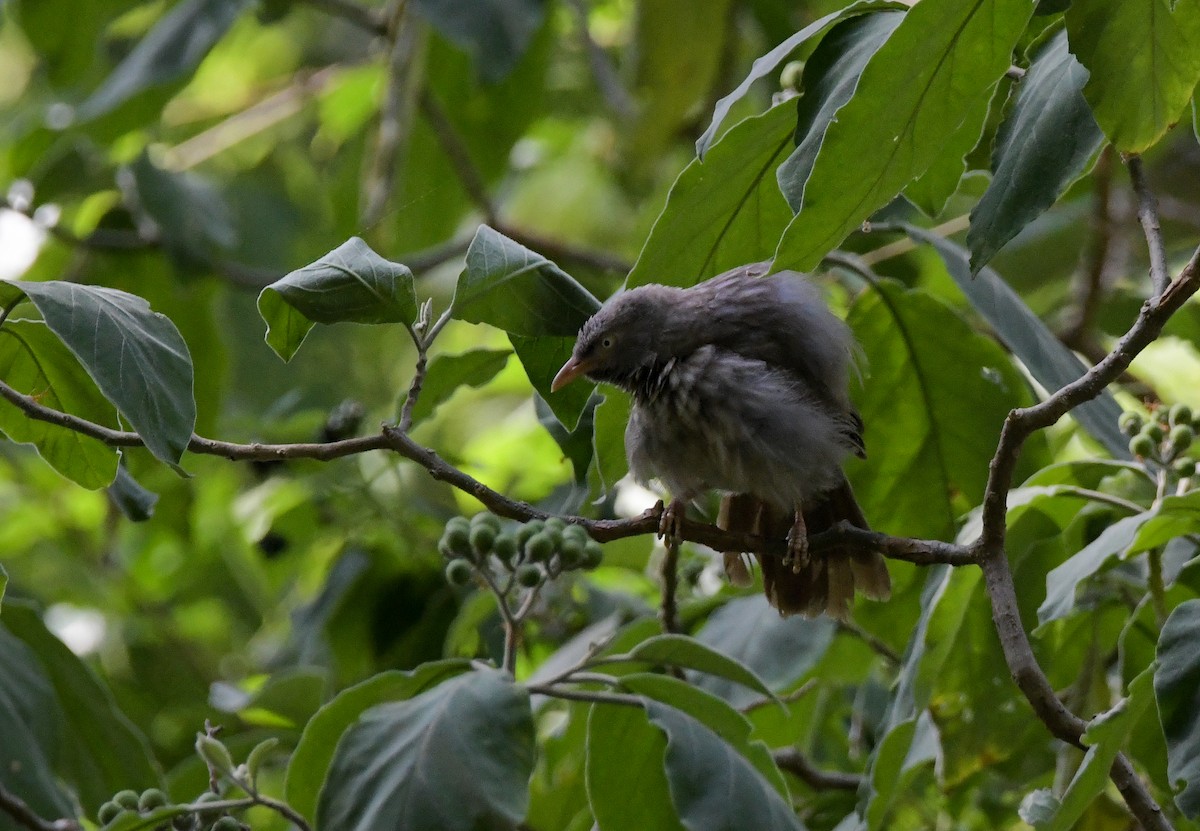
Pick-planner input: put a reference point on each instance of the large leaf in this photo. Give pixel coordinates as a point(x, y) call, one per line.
point(689, 653)
point(627, 791)
point(1177, 689)
point(1047, 141)
point(932, 189)
point(192, 218)
point(1052, 364)
point(934, 414)
point(512, 288)
point(34, 361)
point(457, 757)
point(313, 755)
point(541, 358)
point(350, 284)
point(495, 32)
point(176, 44)
point(723, 211)
point(136, 356)
point(767, 63)
point(101, 751)
point(913, 95)
point(712, 785)
point(446, 373)
point(1144, 60)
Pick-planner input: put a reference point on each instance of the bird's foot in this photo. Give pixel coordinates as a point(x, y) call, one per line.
point(797, 554)
point(670, 521)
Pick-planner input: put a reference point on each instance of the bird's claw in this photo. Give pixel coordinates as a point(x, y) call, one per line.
point(797, 555)
point(670, 522)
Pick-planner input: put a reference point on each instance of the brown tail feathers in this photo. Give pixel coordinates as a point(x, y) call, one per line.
point(828, 581)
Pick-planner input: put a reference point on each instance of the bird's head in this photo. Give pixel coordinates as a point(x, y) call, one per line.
point(621, 338)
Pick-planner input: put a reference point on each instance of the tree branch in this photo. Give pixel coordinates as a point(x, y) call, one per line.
point(23, 815)
point(1147, 211)
point(796, 763)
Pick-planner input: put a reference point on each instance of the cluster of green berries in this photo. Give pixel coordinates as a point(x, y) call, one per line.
point(1164, 437)
point(124, 803)
point(532, 552)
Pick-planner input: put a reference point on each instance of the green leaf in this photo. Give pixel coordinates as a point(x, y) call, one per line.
point(1144, 60)
point(776, 649)
point(446, 373)
point(495, 32)
point(608, 438)
point(100, 750)
point(512, 288)
point(712, 785)
point(932, 189)
point(1063, 582)
point(132, 500)
point(1173, 517)
point(350, 284)
point(175, 46)
point(192, 218)
point(258, 756)
point(314, 753)
point(767, 64)
point(714, 713)
point(1177, 690)
point(913, 95)
point(34, 361)
point(935, 412)
point(689, 653)
point(908, 747)
point(627, 791)
point(1048, 140)
point(136, 356)
point(3, 585)
point(1052, 364)
point(541, 358)
point(723, 211)
point(455, 758)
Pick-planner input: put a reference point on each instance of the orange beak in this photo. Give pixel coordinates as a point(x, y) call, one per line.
point(571, 370)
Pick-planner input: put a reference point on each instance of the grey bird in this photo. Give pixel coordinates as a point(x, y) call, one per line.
point(740, 385)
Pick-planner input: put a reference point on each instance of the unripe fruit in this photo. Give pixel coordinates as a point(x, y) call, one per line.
point(540, 547)
point(1181, 414)
point(1185, 467)
point(505, 548)
point(458, 537)
point(208, 796)
point(1130, 423)
point(1142, 445)
point(483, 518)
point(527, 531)
point(1181, 437)
point(571, 554)
point(593, 555)
point(150, 799)
point(556, 523)
point(227, 824)
point(108, 812)
point(576, 532)
point(459, 572)
point(1162, 416)
point(127, 799)
point(529, 575)
point(184, 822)
point(1154, 430)
point(482, 537)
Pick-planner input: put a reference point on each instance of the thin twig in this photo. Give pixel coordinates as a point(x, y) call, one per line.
point(795, 762)
point(877, 646)
point(795, 695)
point(22, 814)
point(668, 612)
point(460, 157)
point(1147, 211)
point(1103, 258)
point(422, 337)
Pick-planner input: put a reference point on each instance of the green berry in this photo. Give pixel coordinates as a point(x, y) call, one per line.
point(482, 537)
point(150, 799)
point(540, 547)
point(1154, 430)
point(556, 523)
point(227, 824)
point(459, 572)
point(527, 531)
point(484, 518)
point(505, 548)
point(571, 554)
point(127, 799)
point(593, 555)
point(108, 812)
point(529, 575)
point(1130, 423)
point(1181, 437)
point(458, 537)
point(1142, 445)
point(1185, 467)
point(1162, 416)
point(1180, 414)
point(184, 822)
point(576, 532)
point(445, 549)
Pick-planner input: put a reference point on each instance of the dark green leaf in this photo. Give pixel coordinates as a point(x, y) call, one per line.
point(1063, 582)
point(776, 649)
point(495, 32)
point(1144, 60)
point(1052, 364)
point(908, 747)
point(723, 211)
point(100, 751)
point(33, 360)
point(350, 284)
point(608, 436)
point(134, 501)
point(936, 413)
point(915, 92)
point(1177, 690)
point(541, 358)
point(136, 357)
point(512, 288)
point(175, 46)
point(313, 755)
point(689, 653)
point(712, 785)
point(446, 373)
point(767, 64)
point(455, 758)
point(627, 791)
point(1046, 143)
point(192, 218)
point(932, 189)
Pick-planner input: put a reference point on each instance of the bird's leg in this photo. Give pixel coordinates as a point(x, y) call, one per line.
point(797, 553)
point(670, 522)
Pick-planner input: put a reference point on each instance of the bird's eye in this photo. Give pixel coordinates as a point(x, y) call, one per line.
point(607, 343)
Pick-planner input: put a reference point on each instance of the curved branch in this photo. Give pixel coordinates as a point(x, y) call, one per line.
point(796, 763)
